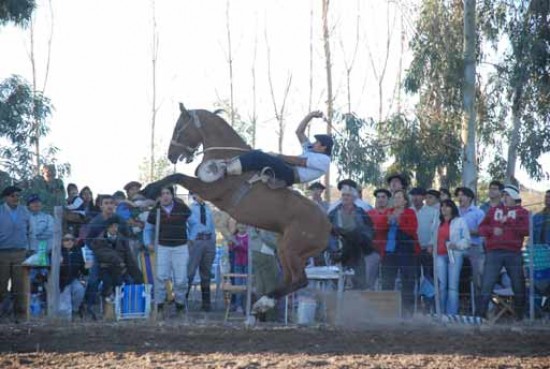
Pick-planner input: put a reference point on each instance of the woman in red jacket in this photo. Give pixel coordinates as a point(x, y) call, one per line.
point(401, 249)
point(504, 229)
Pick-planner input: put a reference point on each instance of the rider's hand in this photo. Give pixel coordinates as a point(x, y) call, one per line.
point(315, 114)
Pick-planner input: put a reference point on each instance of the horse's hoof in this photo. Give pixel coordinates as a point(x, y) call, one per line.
point(211, 170)
point(263, 304)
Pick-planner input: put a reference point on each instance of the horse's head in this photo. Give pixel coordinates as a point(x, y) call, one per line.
point(186, 138)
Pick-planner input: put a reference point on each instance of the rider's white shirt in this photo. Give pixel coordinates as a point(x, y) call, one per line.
point(317, 164)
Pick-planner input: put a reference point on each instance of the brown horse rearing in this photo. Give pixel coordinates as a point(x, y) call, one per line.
point(303, 226)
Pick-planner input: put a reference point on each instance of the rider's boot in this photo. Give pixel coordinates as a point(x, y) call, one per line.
point(234, 168)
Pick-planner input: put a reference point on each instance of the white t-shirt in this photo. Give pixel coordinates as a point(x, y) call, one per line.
point(317, 164)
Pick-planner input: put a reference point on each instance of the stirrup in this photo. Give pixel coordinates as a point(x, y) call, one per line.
point(211, 170)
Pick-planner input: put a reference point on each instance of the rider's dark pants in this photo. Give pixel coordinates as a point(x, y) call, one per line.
point(256, 160)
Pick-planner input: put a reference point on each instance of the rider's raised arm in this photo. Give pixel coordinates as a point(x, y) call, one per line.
point(301, 130)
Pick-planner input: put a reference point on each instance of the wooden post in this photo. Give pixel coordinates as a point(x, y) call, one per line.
point(55, 263)
point(157, 232)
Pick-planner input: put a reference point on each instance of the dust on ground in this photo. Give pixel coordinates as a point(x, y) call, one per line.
point(175, 344)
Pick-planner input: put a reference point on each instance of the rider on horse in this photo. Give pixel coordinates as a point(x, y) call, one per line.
point(310, 165)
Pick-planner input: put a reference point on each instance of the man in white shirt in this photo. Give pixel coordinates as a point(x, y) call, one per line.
point(310, 165)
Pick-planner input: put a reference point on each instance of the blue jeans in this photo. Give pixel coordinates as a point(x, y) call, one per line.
point(513, 262)
point(240, 298)
point(448, 276)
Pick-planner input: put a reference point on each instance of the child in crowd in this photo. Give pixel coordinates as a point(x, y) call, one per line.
point(239, 247)
point(70, 278)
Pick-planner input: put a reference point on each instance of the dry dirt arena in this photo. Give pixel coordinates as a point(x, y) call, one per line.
point(172, 344)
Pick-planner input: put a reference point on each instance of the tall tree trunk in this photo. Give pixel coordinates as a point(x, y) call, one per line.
point(36, 122)
point(254, 117)
point(154, 109)
point(328, 68)
point(230, 62)
point(514, 138)
point(469, 165)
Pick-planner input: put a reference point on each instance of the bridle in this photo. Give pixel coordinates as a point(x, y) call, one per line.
point(175, 141)
point(191, 151)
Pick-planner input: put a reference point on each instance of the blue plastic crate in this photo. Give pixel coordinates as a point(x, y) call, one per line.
point(133, 301)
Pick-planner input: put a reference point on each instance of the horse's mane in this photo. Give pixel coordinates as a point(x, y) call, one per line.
point(229, 133)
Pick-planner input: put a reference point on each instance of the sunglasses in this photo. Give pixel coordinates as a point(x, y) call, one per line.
point(15, 195)
point(68, 239)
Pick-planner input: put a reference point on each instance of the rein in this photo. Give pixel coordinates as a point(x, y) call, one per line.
point(192, 150)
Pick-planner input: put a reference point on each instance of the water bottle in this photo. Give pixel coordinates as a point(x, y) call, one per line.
point(35, 305)
point(43, 253)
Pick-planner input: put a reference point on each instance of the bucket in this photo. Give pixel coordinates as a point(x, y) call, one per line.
point(306, 311)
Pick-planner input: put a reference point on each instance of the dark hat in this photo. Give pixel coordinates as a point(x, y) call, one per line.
point(33, 198)
point(112, 220)
point(445, 191)
point(402, 178)
point(417, 191)
point(347, 182)
point(466, 191)
point(119, 195)
point(10, 190)
point(131, 184)
point(325, 140)
point(433, 192)
point(316, 186)
point(382, 190)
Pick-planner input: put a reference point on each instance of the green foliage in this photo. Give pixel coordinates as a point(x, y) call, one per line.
point(161, 168)
point(357, 151)
point(16, 11)
point(21, 112)
point(242, 127)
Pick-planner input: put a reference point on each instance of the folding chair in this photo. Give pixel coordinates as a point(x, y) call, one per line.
point(541, 273)
point(502, 299)
point(229, 289)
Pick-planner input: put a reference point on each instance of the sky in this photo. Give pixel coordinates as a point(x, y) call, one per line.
point(100, 76)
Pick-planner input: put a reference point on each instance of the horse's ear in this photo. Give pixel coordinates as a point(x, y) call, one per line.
point(182, 108)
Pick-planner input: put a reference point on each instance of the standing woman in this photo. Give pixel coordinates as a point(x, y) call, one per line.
point(451, 240)
point(401, 250)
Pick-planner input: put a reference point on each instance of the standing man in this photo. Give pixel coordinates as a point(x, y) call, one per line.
point(50, 188)
point(315, 191)
point(41, 225)
point(428, 220)
point(202, 247)
point(172, 250)
point(495, 196)
point(14, 243)
point(473, 217)
point(504, 229)
point(358, 200)
point(541, 223)
point(379, 217)
point(353, 227)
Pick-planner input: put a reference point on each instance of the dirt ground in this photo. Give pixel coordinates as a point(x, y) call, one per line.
point(175, 344)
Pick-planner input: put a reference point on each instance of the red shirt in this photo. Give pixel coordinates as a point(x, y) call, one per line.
point(379, 219)
point(515, 228)
point(443, 235)
point(408, 224)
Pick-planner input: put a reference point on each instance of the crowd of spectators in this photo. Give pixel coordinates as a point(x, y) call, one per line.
point(408, 235)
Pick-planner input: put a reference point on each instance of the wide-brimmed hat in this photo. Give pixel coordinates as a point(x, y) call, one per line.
point(10, 190)
point(316, 186)
point(433, 192)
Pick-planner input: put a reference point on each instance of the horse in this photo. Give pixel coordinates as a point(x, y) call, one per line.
point(303, 227)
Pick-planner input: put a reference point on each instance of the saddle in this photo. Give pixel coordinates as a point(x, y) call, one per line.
point(215, 169)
